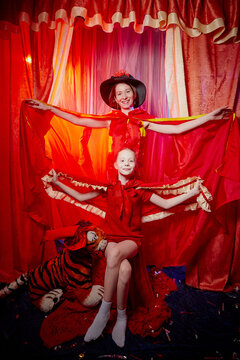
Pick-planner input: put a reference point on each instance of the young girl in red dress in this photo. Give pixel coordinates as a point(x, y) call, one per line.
point(122, 226)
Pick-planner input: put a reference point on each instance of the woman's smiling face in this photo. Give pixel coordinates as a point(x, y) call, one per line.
point(124, 96)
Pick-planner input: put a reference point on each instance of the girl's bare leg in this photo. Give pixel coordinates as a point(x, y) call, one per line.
point(119, 330)
point(125, 272)
point(115, 254)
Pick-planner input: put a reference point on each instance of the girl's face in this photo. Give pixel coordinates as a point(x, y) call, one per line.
point(126, 162)
point(124, 96)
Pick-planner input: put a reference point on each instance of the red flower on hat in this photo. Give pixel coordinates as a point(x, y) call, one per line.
point(121, 73)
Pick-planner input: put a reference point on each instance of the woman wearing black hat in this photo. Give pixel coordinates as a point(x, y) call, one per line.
point(127, 121)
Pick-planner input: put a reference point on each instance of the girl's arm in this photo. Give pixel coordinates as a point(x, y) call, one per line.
point(218, 114)
point(75, 194)
point(168, 203)
point(74, 119)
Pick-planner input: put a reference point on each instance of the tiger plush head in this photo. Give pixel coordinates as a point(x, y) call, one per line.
point(87, 236)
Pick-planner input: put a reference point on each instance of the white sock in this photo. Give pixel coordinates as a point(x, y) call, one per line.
point(119, 330)
point(99, 323)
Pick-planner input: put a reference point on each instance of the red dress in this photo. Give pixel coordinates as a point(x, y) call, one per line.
point(123, 214)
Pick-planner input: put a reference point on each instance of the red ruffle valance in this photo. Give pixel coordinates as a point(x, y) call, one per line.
point(221, 18)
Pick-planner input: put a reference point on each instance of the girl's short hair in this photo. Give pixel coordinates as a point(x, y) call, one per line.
point(125, 148)
point(112, 94)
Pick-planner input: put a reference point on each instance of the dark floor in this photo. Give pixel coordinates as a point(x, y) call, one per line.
point(204, 325)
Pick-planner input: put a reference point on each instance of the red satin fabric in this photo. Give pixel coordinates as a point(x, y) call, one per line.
point(196, 239)
point(125, 130)
point(206, 243)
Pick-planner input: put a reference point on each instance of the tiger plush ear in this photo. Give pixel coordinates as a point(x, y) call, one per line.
point(84, 224)
point(79, 240)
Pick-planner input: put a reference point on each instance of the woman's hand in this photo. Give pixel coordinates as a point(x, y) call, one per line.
point(38, 104)
point(54, 176)
point(221, 113)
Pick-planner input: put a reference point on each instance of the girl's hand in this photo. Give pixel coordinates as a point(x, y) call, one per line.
point(38, 104)
point(220, 113)
point(55, 177)
point(196, 189)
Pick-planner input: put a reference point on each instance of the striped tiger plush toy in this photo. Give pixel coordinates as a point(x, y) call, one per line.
point(69, 273)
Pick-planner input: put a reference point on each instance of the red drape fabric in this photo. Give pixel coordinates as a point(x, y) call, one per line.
point(26, 63)
point(208, 260)
point(196, 239)
point(212, 74)
point(219, 17)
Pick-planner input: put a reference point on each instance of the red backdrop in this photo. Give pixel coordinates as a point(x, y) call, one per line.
point(212, 79)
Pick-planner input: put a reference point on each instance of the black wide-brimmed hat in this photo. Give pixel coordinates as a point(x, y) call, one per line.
point(107, 85)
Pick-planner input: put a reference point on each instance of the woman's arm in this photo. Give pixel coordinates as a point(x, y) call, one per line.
point(74, 119)
point(168, 203)
point(75, 194)
point(218, 114)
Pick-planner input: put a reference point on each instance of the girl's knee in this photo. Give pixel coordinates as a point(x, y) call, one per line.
point(113, 257)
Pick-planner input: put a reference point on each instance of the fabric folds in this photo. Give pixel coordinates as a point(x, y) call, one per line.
point(219, 18)
point(192, 238)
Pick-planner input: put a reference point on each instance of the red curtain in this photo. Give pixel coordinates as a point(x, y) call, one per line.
point(212, 75)
point(26, 68)
point(219, 17)
point(26, 72)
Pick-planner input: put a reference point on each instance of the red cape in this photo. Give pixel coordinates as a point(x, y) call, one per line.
point(207, 243)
